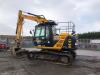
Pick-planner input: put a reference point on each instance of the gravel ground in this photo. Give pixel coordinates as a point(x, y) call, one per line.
point(84, 65)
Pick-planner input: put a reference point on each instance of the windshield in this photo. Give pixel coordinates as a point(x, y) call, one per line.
point(40, 31)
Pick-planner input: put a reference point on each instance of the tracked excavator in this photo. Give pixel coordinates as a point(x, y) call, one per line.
point(53, 47)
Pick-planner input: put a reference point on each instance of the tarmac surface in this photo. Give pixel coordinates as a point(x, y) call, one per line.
point(86, 63)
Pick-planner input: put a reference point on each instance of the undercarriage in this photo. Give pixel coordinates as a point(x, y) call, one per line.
point(64, 57)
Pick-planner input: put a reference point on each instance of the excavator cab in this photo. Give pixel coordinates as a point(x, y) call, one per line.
point(44, 34)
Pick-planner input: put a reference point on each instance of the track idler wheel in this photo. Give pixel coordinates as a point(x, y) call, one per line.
point(30, 56)
point(66, 59)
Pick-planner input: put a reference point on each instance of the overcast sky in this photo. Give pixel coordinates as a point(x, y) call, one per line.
point(84, 13)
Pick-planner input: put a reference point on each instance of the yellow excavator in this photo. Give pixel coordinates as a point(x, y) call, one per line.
point(54, 47)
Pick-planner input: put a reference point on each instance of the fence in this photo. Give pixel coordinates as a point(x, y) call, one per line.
point(85, 44)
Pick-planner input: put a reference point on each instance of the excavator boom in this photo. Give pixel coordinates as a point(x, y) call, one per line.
point(37, 18)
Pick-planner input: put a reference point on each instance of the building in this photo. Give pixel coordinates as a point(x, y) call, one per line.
point(92, 44)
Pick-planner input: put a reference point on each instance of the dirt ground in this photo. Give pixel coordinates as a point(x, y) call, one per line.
point(84, 65)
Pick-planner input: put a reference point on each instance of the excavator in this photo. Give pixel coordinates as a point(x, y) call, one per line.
point(53, 47)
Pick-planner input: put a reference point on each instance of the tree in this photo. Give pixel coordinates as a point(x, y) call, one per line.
point(89, 35)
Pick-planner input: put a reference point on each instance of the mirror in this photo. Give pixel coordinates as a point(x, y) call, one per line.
point(31, 31)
